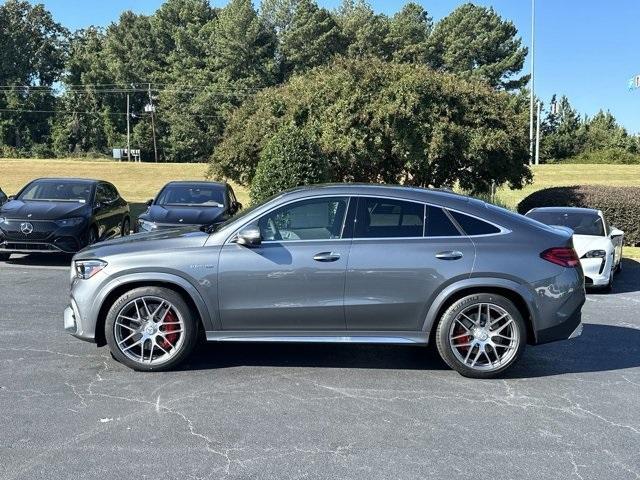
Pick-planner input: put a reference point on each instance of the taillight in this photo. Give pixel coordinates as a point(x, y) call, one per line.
point(563, 256)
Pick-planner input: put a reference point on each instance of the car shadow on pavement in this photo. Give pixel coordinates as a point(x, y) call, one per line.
point(600, 348)
point(236, 354)
point(40, 260)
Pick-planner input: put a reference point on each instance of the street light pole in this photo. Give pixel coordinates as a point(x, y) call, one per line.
point(128, 133)
point(532, 101)
point(538, 133)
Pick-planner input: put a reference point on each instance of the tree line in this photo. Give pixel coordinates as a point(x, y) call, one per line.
point(218, 84)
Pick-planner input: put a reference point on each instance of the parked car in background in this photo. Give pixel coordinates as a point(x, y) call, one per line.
point(3, 197)
point(189, 203)
point(598, 245)
point(52, 215)
point(336, 263)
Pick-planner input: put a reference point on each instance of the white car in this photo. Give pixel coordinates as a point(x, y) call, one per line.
point(598, 245)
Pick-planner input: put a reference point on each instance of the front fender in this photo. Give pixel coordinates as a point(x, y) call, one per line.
point(208, 321)
point(480, 282)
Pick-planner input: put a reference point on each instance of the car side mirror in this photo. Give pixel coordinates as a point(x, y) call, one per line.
point(615, 232)
point(238, 206)
point(149, 202)
point(249, 237)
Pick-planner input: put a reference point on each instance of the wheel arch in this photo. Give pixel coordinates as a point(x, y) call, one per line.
point(517, 293)
point(178, 285)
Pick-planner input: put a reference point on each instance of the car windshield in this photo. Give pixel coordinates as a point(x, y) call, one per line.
point(582, 223)
point(192, 195)
point(57, 191)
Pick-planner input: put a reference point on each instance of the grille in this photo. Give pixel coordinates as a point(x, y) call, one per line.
point(41, 230)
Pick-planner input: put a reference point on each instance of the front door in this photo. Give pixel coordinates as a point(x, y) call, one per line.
point(402, 253)
point(293, 280)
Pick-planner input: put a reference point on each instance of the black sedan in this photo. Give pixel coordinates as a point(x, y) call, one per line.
point(189, 203)
point(53, 215)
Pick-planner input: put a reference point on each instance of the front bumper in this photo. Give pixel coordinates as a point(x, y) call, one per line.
point(73, 323)
point(596, 270)
point(46, 237)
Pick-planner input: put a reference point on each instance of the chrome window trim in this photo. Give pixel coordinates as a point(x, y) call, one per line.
point(351, 197)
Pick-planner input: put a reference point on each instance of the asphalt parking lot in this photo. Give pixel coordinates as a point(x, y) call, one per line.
point(245, 411)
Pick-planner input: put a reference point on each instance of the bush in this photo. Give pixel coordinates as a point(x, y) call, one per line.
point(619, 204)
point(289, 159)
point(616, 156)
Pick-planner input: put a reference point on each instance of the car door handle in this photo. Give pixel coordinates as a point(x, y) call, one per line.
point(449, 255)
point(326, 257)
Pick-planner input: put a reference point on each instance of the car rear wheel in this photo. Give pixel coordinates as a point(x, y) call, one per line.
point(481, 335)
point(151, 328)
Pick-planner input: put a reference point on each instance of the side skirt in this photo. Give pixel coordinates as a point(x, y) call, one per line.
point(296, 336)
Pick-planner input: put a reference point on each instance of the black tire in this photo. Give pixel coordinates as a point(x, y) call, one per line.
point(449, 317)
point(4, 257)
point(126, 227)
point(191, 325)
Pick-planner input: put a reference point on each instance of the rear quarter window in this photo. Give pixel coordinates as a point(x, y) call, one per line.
point(474, 226)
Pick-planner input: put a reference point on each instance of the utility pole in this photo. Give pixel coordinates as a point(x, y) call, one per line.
point(128, 133)
point(152, 109)
point(533, 55)
point(538, 134)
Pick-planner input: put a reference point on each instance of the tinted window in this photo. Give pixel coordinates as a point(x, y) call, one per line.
point(56, 191)
point(385, 218)
point(111, 192)
point(315, 219)
point(580, 222)
point(192, 195)
point(102, 194)
point(439, 224)
point(473, 226)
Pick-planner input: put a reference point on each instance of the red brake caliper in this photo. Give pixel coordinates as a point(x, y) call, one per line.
point(170, 338)
point(461, 340)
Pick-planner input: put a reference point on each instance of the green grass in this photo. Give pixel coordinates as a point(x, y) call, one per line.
point(631, 252)
point(573, 174)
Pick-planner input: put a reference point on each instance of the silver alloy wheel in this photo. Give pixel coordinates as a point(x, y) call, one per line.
point(484, 337)
point(149, 330)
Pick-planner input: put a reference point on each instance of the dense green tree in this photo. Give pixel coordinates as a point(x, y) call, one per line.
point(278, 14)
point(312, 38)
point(562, 134)
point(409, 31)
point(243, 49)
point(365, 32)
point(475, 41)
point(32, 52)
point(288, 159)
point(386, 122)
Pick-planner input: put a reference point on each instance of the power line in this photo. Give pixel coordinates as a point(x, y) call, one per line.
point(98, 112)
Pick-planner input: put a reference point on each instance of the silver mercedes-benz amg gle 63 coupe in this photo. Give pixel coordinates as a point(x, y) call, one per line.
point(336, 263)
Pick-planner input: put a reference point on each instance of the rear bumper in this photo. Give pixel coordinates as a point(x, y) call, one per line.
point(569, 328)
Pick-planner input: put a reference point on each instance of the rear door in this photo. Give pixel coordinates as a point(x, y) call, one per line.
point(401, 255)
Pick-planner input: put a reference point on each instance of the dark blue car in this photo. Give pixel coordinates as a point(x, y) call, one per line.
point(189, 203)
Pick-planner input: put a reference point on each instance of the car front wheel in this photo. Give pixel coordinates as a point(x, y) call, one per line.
point(151, 328)
point(481, 335)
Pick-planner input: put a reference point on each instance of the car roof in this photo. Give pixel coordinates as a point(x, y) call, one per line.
point(67, 179)
point(197, 182)
point(565, 210)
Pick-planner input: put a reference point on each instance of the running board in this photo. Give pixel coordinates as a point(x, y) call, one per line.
point(395, 338)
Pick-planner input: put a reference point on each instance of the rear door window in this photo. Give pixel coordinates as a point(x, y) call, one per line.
point(389, 218)
point(474, 226)
point(439, 224)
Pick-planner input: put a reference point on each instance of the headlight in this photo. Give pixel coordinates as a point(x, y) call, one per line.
point(69, 222)
point(88, 268)
point(146, 226)
point(595, 254)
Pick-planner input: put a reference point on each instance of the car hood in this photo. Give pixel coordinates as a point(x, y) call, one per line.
point(42, 210)
point(585, 243)
point(183, 215)
point(170, 239)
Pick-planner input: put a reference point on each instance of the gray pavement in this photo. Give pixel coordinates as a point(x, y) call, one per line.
point(245, 411)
